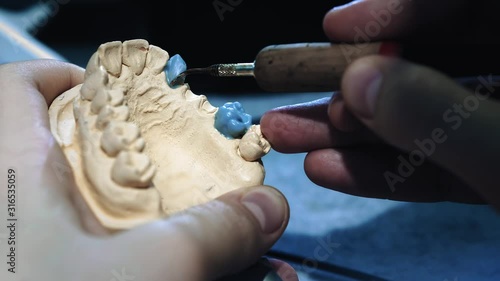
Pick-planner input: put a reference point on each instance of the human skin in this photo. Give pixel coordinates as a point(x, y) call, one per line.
point(200, 243)
point(386, 105)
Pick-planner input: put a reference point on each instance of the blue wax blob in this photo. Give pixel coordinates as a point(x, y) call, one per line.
point(232, 121)
point(175, 66)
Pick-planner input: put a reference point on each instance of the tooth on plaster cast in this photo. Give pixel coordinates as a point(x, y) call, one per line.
point(97, 80)
point(110, 56)
point(134, 54)
point(132, 169)
point(156, 59)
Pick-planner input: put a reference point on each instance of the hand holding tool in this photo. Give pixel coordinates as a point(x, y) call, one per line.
point(301, 67)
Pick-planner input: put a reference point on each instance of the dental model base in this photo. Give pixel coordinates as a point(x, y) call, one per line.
point(140, 149)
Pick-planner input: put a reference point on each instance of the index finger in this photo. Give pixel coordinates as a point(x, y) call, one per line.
point(306, 127)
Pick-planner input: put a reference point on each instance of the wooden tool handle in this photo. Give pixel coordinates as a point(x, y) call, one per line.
point(310, 67)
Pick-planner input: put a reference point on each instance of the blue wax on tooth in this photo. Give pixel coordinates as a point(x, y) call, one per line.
point(232, 121)
point(175, 66)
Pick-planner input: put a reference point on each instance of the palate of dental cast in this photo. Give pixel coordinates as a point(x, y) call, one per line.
point(132, 169)
point(134, 54)
point(143, 89)
point(110, 56)
point(120, 135)
point(109, 113)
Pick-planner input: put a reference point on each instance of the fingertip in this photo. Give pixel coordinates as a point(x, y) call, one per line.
point(329, 24)
point(298, 127)
point(278, 128)
point(362, 21)
point(332, 23)
point(361, 85)
point(344, 23)
point(270, 125)
point(268, 207)
point(326, 168)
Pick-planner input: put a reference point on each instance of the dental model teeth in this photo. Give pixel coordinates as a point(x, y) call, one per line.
point(253, 145)
point(108, 113)
point(142, 150)
point(110, 56)
point(93, 65)
point(155, 59)
point(116, 97)
point(95, 81)
point(134, 54)
point(119, 136)
point(132, 169)
point(100, 99)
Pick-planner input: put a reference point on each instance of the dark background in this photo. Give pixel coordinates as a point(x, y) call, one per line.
point(192, 29)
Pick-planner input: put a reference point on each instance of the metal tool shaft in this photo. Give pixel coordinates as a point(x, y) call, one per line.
point(235, 69)
point(218, 70)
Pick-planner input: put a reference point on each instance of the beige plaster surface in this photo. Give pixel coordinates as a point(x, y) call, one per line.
point(141, 150)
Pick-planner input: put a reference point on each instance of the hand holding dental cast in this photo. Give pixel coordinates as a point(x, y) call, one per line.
point(57, 236)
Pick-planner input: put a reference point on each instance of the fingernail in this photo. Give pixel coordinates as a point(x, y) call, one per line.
point(267, 206)
point(363, 87)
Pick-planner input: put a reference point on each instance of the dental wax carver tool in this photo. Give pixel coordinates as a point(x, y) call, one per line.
point(300, 67)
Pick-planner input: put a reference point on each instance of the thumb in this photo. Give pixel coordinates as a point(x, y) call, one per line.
point(205, 242)
point(428, 115)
